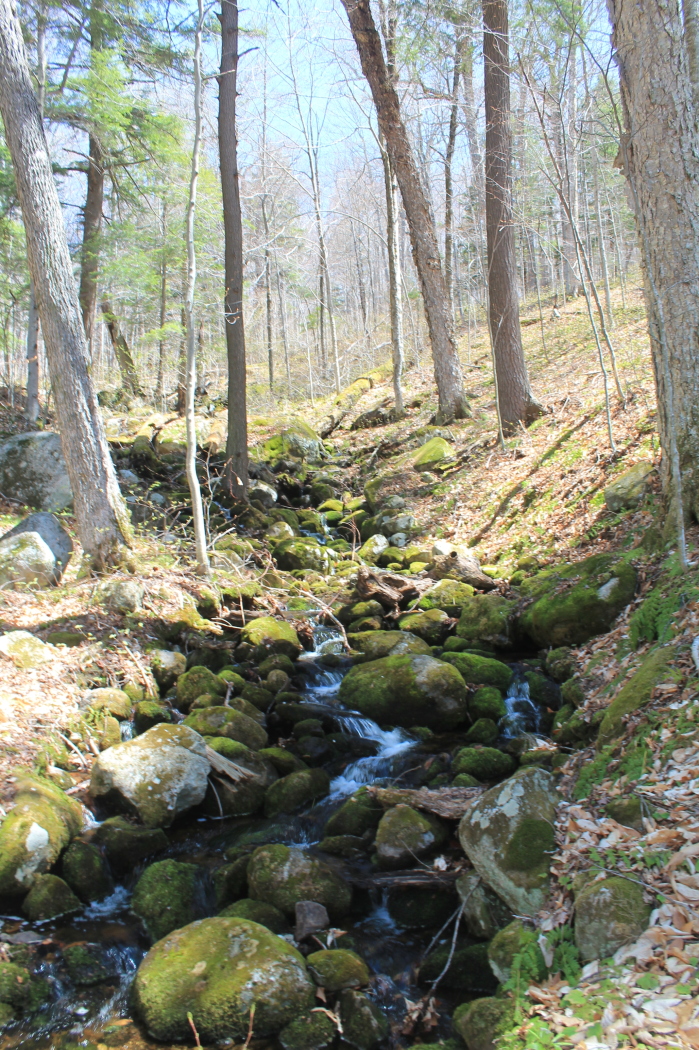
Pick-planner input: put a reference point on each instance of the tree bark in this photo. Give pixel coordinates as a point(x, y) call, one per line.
point(33, 406)
point(237, 443)
point(102, 518)
point(94, 203)
point(515, 399)
point(423, 238)
point(395, 291)
point(122, 351)
point(660, 150)
point(459, 48)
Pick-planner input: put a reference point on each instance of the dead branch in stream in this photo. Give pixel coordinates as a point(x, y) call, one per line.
point(450, 803)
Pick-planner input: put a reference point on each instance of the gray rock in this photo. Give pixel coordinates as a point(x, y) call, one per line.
point(25, 651)
point(263, 493)
point(156, 776)
point(26, 559)
point(374, 546)
point(128, 477)
point(508, 837)
point(609, 913)
point(484, 913)
point(167, 666)
point(310, 918)
point(33, 471)
point(629, 488)
point(122, 596)
point(52, 533)
point(398, 539)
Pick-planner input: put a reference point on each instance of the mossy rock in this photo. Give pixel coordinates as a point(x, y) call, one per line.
point(257, 911)
point(542, 690)
point(215, 969)
point(148, 714)
point(435, 455)
point(575, 731)
point(420, 908)
point(277, 662)
point(560, 663)
point(448, 595)
point(231, 882)
point(235, 682)
point(482, 1022)
point(243, 797)
point(364, 1026)
point(483, 911)
point(348, 846)
point(226, 721)
point(480, 670)
point(311, 1031)
point(372, 549)
point(430, 625)
point(167, 666)
point(627, 811)
point(405, 833)
point(337, 969)
point(283, 761)
point(636, 692)
point(195, 683)
point(283, 876)
point(114, 702)
point(20, 991)
point(87, 964)
point(483, 731)
point(255, 696)
point(406, 691)
point(609, 913)
point(302, 553)
point(165, 897)
point(469, 970)
point(111, 733)
point(465, 780)
point(483, 763)
point(629, 488)
point(84, 870)
point(297, 789)
point(346, 614)
point(359, 814)
point(125, 844)
point(487, 618)
point(48, 898)
point(37, 829)
point(572, 693)
point(376, 645)
point(573, 602)
point(276, 636)
point(517, 940)
point(487, 702)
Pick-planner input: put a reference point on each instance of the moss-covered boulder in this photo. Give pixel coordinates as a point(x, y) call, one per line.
point(284, 761)
point(228, 722)
point(405, 833)
point(375, 645)
point(480, 670)
point(243, 797)
point(282, 876)
point(430, 625)
point(468, 972)
point(373, 548)
point(216, 970)
point(156, 776)
point(436, 454)
point(276, 636)
point(483, 731)
point(37, 829)
point(481, 1022)
point(296, 790)
point(311, 1031)
point(195, 683)
point(166, 897)
point(560, 663)
point(448, 595)
point(359, 611)
point(302, 552)
point(257, 911)
point(483, 763)
point(148, 713)
point(487, 618)
point(20, 992)
point(484, 913)
point(231, 880)
point(49, 897)
point(407, 691)
point(629, 488)
point(87, 964)
point(125, 844)
point(542, 690)
point(486, 702)
point(609, 913)
point(167, 666)
point(114, 702)
point(84, 870)
point(572, 693)
point(627, 811)
point(513, 940)
point(636, 692)
point(364, 1026)
point(573, 602)
point(359, 814)
point(508, 837)
point(337, 969)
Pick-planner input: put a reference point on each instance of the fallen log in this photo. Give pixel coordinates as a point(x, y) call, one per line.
point(450, 803)
point(388, 588)
point(419, 878)
point(226, 768)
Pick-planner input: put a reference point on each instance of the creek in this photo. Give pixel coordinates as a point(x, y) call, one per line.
point(385, 927)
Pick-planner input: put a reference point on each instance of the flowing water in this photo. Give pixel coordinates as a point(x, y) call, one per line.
point(81, 1015)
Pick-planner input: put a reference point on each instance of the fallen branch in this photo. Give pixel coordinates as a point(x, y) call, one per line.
point(450, 803)
point(227, 768)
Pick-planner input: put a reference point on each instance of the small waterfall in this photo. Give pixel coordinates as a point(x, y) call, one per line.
point(523, 715)
point(127, 730)
point(393, 744)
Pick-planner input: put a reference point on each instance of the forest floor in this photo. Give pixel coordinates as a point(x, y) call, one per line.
point(540, 496)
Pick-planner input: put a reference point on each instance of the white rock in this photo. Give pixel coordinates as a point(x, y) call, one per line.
point(26, 558)
point(25, 651)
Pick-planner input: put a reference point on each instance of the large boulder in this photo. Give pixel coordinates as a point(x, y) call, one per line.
point(301, 552)
point(609, 913)
point(195, 683)
point(448, 595)
point(431, 625)
point(629, 488)
point(481, 670)
point(240, 798)
point(573, 602)
point(296, 790)
point(37, 829)
point(277, 636)
point(126, 844)
point(25, 651)
point(227, 722)
point(508, 837)
point(374, 645)
point(298, 439)
point(282, 876)
point(487, 618)
point(156, 776)
point(216, 970)
point(167, 896)
point(56, 538)
point(404, 834)
point(33, 471)
point(167, 666)
point(48, 898)
point(85, 871)
point(407, 691)
point(481, 1022)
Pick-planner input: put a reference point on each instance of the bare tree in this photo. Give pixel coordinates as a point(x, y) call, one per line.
point(423, 238)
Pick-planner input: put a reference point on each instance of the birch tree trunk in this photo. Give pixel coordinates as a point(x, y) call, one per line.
point(515, 399)
point(237, 443)
point(394, 280)
point(32, 358)
point(423, 238)
point(660, 150)
point(102, 518)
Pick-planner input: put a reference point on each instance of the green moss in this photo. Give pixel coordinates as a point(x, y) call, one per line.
point(257, 911)
point(653, 619)
point(486, 617)
point(531, 847)
point(469, 970)
point(85, 964)
point(85, 872)
point(483, 763)
point(634, 694)
point(407, 691)
point(431, 625)
point(364, 1025)
point(165, 897)
point(277, 662)
point(405, 833)
point(148, 714)
point(515, 949)
point(126, 844)
point(283, 761)
point(487, 702)
point(626, 811)
point(275, 635)
point(231, 882)
point(480, 1023)
point(49, 897)
point(609, 913)
point(359, 814)
point(560, 663)
point(311, 1031)
point(572, 693)
point(542, 690)
point(376, 645)
point(337, 969)
point(226, 721)
point(593, 773)
point(465, 780)
point(483, 731)
point(479, 670)
point(195, 683)
point(448, 595)
point(115, 702)
point(283, 876)
point(296, 790)
point(19, 990)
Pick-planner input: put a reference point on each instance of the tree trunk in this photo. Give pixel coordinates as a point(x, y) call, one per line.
point(102, 519)
point(661, 159)
point(459, 48)
point(447, 367)
point(515, 399)
point(237, 443)
point(160, 380)
point(394, 280)
point(94, 203)
point(33, 407)
point(122, 352)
